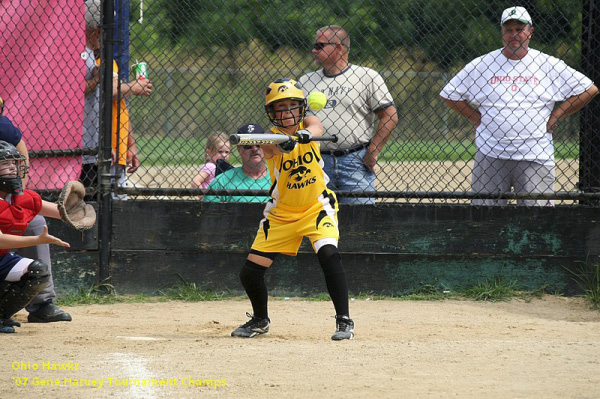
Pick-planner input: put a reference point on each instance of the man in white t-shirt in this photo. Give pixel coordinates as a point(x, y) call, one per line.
point(514, 90)
point(359, 110)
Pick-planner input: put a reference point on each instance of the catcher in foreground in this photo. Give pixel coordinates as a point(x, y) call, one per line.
point(21, 279)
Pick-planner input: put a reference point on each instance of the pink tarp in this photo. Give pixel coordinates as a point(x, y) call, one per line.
point(42, 81)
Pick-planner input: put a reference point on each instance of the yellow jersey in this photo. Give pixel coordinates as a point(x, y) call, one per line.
point(297, 178)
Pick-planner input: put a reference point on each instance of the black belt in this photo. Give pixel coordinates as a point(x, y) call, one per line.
point(341, 153)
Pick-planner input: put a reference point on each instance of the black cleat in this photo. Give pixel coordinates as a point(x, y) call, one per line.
point(7, 325)
point(48, 313)
point(252, 328)
point(344, 328)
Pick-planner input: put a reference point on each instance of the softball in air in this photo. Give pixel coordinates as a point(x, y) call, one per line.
point(317, 100)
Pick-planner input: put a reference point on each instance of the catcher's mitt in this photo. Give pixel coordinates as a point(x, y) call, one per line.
point(73, 209)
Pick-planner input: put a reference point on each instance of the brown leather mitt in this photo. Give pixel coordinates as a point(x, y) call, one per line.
point(73, 209)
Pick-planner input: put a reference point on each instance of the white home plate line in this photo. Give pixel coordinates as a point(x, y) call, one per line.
point(134, 367)
point(140, 338)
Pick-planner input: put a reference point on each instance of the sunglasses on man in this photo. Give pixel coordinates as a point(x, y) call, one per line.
point(320, 46)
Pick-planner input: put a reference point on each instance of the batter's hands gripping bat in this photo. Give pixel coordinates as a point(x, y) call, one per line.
point(268, 138)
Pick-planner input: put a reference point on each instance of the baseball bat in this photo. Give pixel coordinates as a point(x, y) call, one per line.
point(268, 138)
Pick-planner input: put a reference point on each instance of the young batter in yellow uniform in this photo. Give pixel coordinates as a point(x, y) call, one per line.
point(300, 206)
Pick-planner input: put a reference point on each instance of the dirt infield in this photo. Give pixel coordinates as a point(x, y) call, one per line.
point(549, 348)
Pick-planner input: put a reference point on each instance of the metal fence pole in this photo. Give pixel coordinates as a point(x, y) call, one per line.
point(589, 169)
point(104, 175)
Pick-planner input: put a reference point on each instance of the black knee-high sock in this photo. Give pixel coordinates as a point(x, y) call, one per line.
point(335, 278)
point(252, 277)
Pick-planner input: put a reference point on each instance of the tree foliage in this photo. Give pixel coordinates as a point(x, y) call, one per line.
point(447, 32)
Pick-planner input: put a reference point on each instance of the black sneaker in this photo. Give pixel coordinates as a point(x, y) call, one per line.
point(7, 325)
point(253, 327)
point(344, 328)
point(48, 313)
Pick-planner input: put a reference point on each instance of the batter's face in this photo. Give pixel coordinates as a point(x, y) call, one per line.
point(287, 112)
point(8, 168)
point(223, 152)
point(515, 38)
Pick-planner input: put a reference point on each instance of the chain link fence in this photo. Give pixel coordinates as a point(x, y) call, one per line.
point(210, 62)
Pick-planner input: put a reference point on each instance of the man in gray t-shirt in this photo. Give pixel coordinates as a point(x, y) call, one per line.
point(359, 110)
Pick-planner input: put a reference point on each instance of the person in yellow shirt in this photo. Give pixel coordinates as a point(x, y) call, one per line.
point(124, 149)
point(300, 206)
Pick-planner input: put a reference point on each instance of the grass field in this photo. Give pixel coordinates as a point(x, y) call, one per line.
point(190, 151)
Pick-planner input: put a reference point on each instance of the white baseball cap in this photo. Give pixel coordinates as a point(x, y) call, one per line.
point(518, 13)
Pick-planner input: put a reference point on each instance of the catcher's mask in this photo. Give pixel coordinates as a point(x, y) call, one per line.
point(285, 89)
point(13, 183)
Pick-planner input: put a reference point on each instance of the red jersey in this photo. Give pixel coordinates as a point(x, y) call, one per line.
point(15, 216)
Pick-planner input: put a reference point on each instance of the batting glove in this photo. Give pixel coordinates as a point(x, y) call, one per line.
point(304, 136)
point(287, 147)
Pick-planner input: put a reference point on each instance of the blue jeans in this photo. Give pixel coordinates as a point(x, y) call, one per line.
point(348, 173)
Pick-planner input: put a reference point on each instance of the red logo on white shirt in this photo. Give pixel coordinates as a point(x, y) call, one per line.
point(531, 80)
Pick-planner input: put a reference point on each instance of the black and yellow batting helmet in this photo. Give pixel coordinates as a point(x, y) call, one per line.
point(284, 89)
